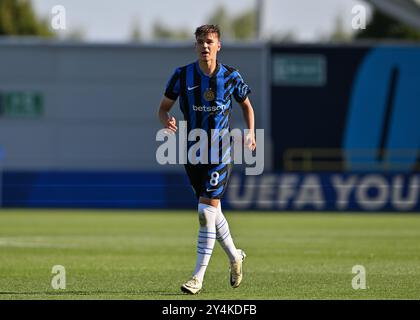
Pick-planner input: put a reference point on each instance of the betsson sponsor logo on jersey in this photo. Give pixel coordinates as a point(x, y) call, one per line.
point(221, 107)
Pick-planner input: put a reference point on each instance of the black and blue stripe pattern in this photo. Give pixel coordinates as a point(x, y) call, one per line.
point(207, 111)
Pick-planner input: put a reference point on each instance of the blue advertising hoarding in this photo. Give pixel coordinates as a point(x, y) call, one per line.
point(269, 191)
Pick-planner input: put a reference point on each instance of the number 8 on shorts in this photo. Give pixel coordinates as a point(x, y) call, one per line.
point(214, 178)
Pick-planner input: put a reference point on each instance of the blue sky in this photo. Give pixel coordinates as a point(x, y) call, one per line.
point(112, 21)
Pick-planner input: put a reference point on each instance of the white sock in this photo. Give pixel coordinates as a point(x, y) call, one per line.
point(223, 235)
point(206, 238)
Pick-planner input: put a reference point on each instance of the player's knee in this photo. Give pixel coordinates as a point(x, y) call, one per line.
point(206, 215)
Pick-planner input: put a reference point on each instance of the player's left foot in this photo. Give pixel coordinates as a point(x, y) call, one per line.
point(236, 270)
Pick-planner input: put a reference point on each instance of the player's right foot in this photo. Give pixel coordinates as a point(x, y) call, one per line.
point(192, 286)
point(236, 269)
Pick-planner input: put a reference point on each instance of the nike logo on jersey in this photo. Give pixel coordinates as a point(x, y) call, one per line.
point(210, 190)
point(192, 88)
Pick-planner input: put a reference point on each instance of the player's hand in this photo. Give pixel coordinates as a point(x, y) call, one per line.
point(171, 125)
point(250, 141)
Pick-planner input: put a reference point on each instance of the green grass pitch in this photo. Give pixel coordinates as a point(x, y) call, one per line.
point(148, 254)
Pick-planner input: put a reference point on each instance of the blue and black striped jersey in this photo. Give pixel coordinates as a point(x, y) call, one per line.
point(206, 102)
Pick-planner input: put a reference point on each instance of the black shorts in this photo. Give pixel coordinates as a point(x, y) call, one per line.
point(209, 180)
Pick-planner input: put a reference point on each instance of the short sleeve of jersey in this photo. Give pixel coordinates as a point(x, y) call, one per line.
point(172, 86)
point(242, 90)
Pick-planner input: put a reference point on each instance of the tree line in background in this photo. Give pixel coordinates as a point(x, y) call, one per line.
point(18, 18)
point(241, 26)
point(244, 25)
point(382, 26)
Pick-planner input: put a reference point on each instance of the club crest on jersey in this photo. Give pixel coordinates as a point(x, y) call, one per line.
point(209, 95)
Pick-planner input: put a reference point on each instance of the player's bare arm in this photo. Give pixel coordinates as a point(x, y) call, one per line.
point(168, 121)
point(248, 113)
